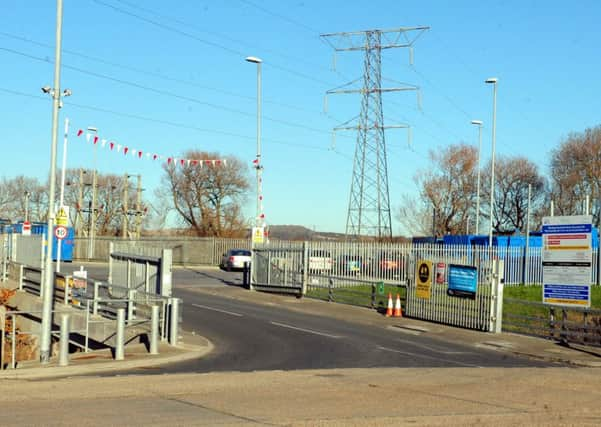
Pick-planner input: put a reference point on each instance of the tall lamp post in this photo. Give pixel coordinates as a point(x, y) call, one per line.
point(479, 124)
point(493, 81)
point(258, 165)
point(48, 276)
point(92, 225)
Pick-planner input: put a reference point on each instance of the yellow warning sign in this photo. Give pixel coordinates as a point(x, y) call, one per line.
point(62, 216)
point(258, 235)
point(423, 279)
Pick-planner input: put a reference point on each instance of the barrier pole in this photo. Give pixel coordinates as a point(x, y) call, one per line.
point(173, 324)
point(120, 335)
point(154, 330)
point(64, 341)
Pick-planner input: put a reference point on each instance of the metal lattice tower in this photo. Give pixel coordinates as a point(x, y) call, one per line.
point(369, 203)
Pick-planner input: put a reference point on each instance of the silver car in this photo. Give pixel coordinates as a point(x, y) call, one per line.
point(234, 259)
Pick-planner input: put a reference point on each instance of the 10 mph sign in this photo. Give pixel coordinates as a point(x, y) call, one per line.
point(60, 232)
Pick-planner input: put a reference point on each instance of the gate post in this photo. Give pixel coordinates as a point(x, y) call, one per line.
point(165, 272)
point(305, 268)
point(496, 306)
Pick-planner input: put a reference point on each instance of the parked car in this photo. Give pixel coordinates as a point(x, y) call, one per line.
point(235, 259)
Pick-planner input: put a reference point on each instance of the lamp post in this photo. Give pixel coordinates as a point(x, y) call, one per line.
point(27, 195)
point(92, 225)
point(493, 81)
point(48, 275)
point(258, 166)
point(479, 124)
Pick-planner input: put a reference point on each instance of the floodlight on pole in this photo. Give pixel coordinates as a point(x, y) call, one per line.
point(493, 81)
point(259, 221)
point(479, 124)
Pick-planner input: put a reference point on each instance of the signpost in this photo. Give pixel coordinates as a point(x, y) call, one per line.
point(258, 235)
point(423, 279)
point(60, 232)
point(26, 229)
point(567, 260)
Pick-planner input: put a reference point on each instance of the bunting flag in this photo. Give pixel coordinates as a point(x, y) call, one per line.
point(112, 145)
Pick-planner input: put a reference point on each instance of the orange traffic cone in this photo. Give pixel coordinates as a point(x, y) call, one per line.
point(389, 309)
point(397, 307)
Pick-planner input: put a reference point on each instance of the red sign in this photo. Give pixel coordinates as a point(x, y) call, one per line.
point(440, 272)
point(60, 232)
point(26, 230)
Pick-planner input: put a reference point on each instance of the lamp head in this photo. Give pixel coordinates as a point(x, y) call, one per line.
point(46, 89)
point(477, 122)
point(491, 80)
point(92, 129)
point(254, 59)
point(67, 92)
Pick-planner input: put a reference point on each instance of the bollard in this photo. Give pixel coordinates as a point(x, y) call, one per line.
point(120, 335)
point(174, 321)
point(131, 301)
point(95, 303)
point(154, 330)
point(63, 355)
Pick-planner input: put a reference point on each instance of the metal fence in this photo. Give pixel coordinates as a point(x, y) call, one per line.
point(27, 250)
point(185, 250)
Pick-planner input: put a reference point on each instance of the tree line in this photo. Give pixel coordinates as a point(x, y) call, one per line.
point(203, 200)
point(447, 199)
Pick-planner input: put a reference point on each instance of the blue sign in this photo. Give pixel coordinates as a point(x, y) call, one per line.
point(567, 228)
point(463, 281)
point(574, 295)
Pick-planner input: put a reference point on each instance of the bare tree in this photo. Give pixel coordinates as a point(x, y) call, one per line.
point(448, 189)
point(512, 177)
point(576, 173)
point(208, 198)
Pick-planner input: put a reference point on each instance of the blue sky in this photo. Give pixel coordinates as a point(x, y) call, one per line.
point(183, 63)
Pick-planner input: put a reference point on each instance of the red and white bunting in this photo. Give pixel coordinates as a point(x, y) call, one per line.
point(113, 146)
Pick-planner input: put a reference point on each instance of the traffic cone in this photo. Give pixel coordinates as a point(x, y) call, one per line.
point(389, 309)
point(397, 307)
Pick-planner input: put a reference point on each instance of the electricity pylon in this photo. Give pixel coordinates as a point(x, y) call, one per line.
point(369, 202)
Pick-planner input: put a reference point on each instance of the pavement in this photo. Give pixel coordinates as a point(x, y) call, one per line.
point(193, 346)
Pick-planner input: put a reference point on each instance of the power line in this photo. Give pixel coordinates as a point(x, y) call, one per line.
point(158, 75)
point(165, 92)
point(282, 17)
point(206, 42)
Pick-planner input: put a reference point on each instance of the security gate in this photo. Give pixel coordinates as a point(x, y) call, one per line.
point(429, 297)
point(278, 269)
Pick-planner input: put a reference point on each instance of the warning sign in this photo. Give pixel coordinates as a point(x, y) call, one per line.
point(258, 235)
point(423, 279)
point(62, 216)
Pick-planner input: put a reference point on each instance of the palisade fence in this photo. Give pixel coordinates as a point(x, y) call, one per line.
point(185, 250)
point(354, 257)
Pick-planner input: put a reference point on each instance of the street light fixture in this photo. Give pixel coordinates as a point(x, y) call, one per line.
point(479, 124)
point(493, 81)
point(48, 275)
point(259, 168)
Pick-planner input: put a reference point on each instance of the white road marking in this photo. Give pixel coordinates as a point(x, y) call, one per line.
point(423, 356)
point(217, 309)
point(434, 349)
point(309, 331)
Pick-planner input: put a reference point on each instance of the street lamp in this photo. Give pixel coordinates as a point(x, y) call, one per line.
point(479, 124)
point(48, 275)
point(493, 81)
point(92, 225)
point(258, 166)
point(27, 195)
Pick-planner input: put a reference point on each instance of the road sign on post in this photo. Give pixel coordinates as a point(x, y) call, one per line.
point(26, 229)
point(423, 279)
point(60, 232)
point(62, 216)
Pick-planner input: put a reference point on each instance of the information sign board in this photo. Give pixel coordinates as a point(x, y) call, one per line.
point(463, 281)
point(567, 260)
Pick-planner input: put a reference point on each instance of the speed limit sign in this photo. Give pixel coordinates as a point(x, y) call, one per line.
point(60, 232)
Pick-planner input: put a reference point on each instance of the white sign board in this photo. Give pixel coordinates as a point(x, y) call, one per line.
point(567, 260)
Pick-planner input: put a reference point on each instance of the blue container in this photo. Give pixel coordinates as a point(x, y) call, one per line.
point(67, 243)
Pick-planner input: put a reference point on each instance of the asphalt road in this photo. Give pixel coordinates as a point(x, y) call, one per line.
point(255, 337)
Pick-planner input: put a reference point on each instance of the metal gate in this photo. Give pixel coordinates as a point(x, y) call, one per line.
point(278, 269)
point(483, 312)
